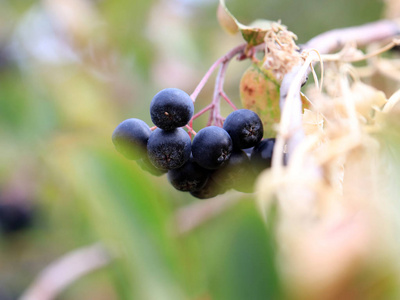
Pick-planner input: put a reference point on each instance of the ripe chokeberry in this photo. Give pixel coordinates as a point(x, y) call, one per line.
point(211, 147)
point(171, 108)
point(261, 156)
point(237, 173)
point(130, 138)
point(189, 177)
point(169, 149)
point(209, 190)
point(245, 128)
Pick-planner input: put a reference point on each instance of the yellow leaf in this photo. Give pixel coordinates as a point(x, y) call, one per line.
point(259, 92)
point(226, 20)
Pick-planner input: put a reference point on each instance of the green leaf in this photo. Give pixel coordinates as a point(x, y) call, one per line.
point(133, 221)
point(238, 254)
point(253, 34)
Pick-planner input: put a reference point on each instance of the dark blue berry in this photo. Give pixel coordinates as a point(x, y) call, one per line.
point(171, 108)
point(212, 147)
point(237, 173)
point(169, 150)
point(189, 177)
point(245, 128)
point(209, 190)
point(130, 138)
point(261, 157)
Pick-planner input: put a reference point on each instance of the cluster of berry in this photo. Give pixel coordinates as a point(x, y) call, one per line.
point(216, 160)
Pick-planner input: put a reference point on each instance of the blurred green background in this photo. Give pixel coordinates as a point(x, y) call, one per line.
point(70, 72)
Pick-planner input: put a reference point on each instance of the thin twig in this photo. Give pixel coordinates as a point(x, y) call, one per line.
point(215, 112)
point(333, 40)
point(220, 86)
point(215, 117)
point(227, 57)
point(61, 273)
point(226, 98)
point(205, 109)
point(190, 129)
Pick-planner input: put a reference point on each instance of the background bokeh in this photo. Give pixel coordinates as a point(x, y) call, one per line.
point(70, 72)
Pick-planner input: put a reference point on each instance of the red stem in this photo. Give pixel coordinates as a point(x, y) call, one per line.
point(190, 130)
point(208, 107)
point(221, 85)
point(215, 113)
point(227, 57)
point(191, 126)
point(215, 117)
point(225, 97)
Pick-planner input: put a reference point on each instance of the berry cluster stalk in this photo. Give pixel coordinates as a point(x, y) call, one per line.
point(215, 118)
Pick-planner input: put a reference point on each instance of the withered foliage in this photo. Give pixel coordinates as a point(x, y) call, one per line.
point(338, 197)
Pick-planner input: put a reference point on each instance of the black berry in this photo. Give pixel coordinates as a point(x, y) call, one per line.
point(189, 177)
point(245, 128)
point(171, 108)
point(130, 138)
point(261, 157)
point(209, 190)
point(237, 173)
point(212, 147)
point(169, 149)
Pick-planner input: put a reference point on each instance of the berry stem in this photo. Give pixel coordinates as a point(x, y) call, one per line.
point(226, 58)
point(191, 130)
point(226, 98)
point(191, 126)
point(215, 117)
point(205, 109)
point(153, 128)
point(220, 87)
